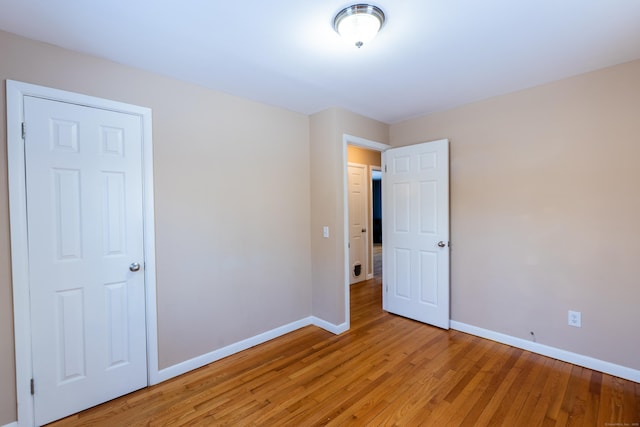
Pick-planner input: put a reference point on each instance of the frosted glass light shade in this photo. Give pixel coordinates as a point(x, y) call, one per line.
point(359, 23)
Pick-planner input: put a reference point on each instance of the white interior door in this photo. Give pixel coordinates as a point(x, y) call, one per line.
point(85, 227)
point(416, 232)
point(358, 242)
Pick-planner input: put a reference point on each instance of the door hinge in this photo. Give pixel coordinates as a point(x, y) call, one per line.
point(385, 166)
point(386, 288)
point(32, 386)
point(24, 130)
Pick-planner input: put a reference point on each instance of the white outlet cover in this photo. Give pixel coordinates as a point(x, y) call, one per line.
point(575, 319)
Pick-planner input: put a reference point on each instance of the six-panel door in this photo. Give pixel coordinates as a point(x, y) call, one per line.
point(85, 225)
point(416, 232)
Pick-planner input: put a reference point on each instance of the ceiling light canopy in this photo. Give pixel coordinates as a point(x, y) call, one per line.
point(359, 23)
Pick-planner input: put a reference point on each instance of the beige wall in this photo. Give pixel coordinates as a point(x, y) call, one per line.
point(232, 205)
point(363, 156)
point(545, 208)
point(328, 165)
point(7, 355)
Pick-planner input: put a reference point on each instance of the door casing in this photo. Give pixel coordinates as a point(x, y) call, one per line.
point(16, 91)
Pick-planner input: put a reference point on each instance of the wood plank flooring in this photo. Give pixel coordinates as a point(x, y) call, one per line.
point(387, 370)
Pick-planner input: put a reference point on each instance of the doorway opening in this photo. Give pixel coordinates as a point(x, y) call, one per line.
point(415, 282)
point(368, 153)
point(376, 219)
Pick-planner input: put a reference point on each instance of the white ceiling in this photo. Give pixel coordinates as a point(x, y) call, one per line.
point(431, 55)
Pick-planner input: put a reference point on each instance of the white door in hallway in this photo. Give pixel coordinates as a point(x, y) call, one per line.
point(85, 228)
point(416, 232)
point(358, 232)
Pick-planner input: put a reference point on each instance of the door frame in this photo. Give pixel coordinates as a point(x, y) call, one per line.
point(370, 145)
point(16, 91)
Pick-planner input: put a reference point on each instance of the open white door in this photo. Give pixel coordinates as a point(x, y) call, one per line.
point(358, 242)
point(415, 195)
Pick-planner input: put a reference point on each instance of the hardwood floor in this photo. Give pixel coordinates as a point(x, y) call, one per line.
point(387, 370)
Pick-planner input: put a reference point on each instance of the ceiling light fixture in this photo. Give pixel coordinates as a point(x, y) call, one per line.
point(359, 23)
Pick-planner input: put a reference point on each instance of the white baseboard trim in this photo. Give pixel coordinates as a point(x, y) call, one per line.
point(13, 424)
point(553, 352)
point(205, 359)
point(334, 329)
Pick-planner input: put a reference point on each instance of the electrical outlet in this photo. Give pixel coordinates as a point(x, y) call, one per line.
point(575, 319)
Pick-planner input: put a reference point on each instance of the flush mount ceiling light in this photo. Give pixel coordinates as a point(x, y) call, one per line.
point(359, 23)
